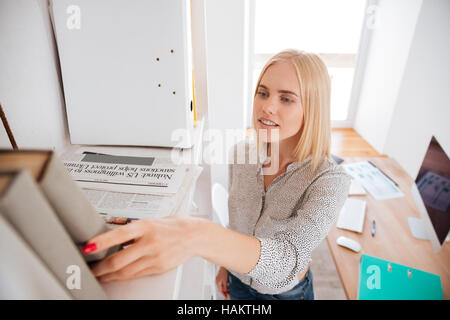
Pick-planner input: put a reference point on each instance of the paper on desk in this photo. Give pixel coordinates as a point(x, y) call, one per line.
point(375, 182)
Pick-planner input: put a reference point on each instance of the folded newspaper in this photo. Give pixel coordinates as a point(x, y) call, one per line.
point(133, 187)
point(163, 179)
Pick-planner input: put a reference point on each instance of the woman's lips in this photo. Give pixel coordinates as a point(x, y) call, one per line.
point(267, 125)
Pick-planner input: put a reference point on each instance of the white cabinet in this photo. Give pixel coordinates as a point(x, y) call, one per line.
point(126, 70)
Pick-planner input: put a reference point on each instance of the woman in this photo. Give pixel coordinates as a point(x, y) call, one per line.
point(280, 208)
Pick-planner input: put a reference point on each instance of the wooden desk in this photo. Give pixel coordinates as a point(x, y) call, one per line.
point(393, 240)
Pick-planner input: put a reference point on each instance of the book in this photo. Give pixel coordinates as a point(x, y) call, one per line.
point(63, 194)
point(384, 280)
point(23, 275)
point(24, 207)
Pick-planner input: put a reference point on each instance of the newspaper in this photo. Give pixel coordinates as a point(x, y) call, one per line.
point(130, 205)
point(139, 206)
point(118, 177)
point(132, 187)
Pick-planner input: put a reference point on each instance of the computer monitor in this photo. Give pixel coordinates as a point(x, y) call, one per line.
point(431, 193)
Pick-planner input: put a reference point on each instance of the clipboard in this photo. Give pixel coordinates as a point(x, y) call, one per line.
point(384, 280)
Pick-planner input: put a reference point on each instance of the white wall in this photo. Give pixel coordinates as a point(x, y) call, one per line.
point(30, 90)
point(198, 20)
point(227, 64)
point(388, 51)
point(423, 102)
point(199, 57)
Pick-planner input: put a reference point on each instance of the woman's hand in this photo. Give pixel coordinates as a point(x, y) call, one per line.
point(222, 281)
point(158, 245)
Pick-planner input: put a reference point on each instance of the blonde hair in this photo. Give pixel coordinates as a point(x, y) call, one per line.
point(315, 91)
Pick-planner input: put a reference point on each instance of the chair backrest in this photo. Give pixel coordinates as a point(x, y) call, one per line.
point(220, 203)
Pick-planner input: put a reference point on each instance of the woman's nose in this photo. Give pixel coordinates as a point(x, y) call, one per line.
point(269, 108)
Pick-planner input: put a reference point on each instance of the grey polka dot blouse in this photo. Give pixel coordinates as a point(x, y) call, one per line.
point(290, 218)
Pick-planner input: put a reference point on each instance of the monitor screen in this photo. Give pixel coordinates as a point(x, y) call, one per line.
point(433, 182)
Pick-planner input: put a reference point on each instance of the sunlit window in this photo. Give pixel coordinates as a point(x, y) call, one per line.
point(328, 27)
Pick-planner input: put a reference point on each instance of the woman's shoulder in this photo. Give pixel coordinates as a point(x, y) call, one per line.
point(329, 170)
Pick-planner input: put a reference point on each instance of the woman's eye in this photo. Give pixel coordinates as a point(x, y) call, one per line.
point(262, 94)
point(287, 100)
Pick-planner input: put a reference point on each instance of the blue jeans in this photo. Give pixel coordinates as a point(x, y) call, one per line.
point(240, 291)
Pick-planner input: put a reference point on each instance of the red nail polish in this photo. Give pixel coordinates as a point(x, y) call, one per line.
point(89, 248)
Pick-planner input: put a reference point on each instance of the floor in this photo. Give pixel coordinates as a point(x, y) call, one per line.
point(326, 282)
point(346, 142)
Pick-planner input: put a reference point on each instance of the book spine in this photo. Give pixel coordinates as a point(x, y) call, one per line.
point(23, 275)
point(72, 207)
point(29, 212)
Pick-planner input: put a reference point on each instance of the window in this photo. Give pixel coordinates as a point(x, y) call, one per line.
point(327, 27)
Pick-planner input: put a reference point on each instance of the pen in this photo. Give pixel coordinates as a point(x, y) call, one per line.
point(384, 173)
point(373, 228)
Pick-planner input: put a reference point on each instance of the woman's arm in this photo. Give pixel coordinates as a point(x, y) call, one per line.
point(287, 253)
point(163, 244)
point(229, 249)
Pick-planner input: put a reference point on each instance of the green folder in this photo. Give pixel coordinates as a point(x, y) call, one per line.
point(384, 280)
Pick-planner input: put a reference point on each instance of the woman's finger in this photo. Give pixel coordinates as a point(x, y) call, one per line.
point(220, 284)
point(149, 271)
point(118, 260)
point(137, 266)
point(129, 271)
point(113, 237)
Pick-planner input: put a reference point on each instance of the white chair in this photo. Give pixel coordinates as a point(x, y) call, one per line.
point(219, 197)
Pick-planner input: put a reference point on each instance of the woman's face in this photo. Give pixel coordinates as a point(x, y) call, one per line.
point(277, 102)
